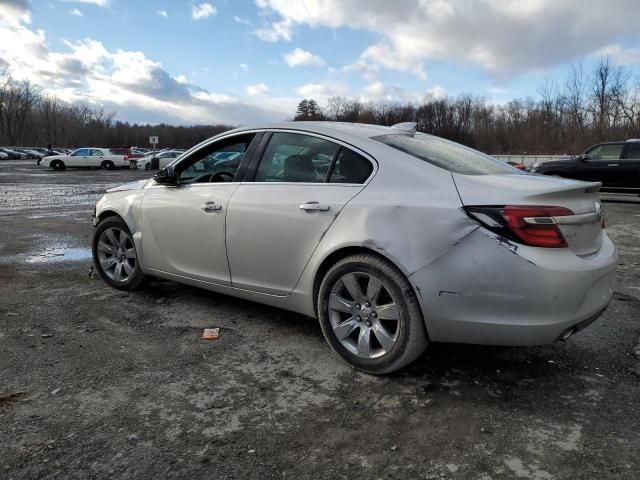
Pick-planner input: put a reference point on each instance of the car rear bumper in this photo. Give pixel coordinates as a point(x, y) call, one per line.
point(488, 291)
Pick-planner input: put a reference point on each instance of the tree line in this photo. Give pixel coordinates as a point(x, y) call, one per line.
point(602, 104)
point(29, 117)
point(587, 107)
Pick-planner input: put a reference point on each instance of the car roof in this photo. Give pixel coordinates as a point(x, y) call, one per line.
point(361, 130)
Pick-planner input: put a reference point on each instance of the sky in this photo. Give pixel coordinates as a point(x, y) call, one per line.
point(246, 61)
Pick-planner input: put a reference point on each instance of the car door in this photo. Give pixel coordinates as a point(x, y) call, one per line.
point(78, 158)
point(183, 227)
point(96, 158)
point(279, 214)
point(630, 166)
point(601, 164)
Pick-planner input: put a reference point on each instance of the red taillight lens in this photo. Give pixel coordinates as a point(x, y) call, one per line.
point(535, 226)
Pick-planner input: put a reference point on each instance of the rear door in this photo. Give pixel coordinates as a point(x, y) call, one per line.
point(297, 187)
point(630, 166)
point(602, 164)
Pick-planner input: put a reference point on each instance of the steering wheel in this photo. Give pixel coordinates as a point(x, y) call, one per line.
point(220, 177)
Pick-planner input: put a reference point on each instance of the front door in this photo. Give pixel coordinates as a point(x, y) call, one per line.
point(276, 221)
point(601, 164)
point(183, 230)
point(79, 158)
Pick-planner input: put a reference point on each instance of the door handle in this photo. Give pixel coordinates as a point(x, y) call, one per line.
point(314, 207)
point(211, 207)
point(613, 165)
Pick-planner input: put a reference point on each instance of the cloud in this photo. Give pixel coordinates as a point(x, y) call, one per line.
point(75, 12)
point(500, 36)
point(437, 93)
point(241, 20)
point(202, 11)
point(244, 67)
point(15, 11)
point(99, 3)
point(619, 54)
point(126, 81)
point(163, 13)
point(299, 57)
point(374, 91)
point(322, 91)
point(259, 89)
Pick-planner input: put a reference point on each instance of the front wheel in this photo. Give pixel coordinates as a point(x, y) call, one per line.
point(114, 254)
point(58, 165)
point(370, 315)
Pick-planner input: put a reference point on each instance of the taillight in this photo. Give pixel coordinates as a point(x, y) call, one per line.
point(531, 225)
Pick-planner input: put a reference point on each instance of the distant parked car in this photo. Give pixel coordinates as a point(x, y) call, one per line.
point(164, 158)
point(519, 166)
point(32, 153)
point(86, 157)
point(4, 156)
point(13, 154)
point(615, 164)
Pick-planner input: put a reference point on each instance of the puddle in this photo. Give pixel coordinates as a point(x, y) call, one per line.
point(60, 255)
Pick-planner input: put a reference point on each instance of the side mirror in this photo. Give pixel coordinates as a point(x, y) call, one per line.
point(167, 176)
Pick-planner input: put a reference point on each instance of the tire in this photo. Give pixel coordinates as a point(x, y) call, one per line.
point(108, 165)
point(58, 165)
point(113, 246)
point(339, 310)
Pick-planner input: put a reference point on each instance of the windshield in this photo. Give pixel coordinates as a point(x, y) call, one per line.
point(446, 154)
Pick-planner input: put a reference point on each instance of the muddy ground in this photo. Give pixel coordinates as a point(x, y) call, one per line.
point(96, 383)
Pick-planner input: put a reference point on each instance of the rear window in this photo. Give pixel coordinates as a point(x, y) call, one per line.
point(446, 154)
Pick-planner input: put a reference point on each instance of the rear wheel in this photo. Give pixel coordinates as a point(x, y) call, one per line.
point(114, 254)
point(108, 165)
point(370, 315)
point(58, 165)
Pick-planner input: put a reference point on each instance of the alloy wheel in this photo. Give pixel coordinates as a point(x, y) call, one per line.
point(364, 315)
point(117, 254)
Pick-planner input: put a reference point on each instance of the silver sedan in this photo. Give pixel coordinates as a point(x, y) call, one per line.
point(391, 238)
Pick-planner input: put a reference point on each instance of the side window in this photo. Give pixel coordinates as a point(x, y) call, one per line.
point(82, 152)
point(217, 162)
point(605, 152)
point(96, 153)
point(350, 168)
point(293, 157)
point(632, 151)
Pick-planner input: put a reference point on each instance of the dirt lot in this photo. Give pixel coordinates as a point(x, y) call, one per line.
point(111, 385)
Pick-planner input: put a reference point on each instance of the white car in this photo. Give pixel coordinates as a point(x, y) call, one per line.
point(3, 156)
point(391, 238)
point(86, 157)
point(164, 158)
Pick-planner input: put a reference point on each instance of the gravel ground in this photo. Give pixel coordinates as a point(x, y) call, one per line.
point(96, 383)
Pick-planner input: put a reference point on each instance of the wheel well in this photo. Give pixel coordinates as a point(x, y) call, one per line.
point(107, 214)
point(335, 257)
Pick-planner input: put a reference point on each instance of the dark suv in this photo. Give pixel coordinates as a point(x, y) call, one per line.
point(615, 164)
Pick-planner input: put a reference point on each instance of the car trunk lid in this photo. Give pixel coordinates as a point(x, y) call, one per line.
point(582, 231)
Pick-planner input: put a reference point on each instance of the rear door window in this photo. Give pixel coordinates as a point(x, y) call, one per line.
point(294, 157)
point(632, 151)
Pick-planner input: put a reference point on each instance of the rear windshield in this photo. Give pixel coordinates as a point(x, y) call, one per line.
point(445, 154)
